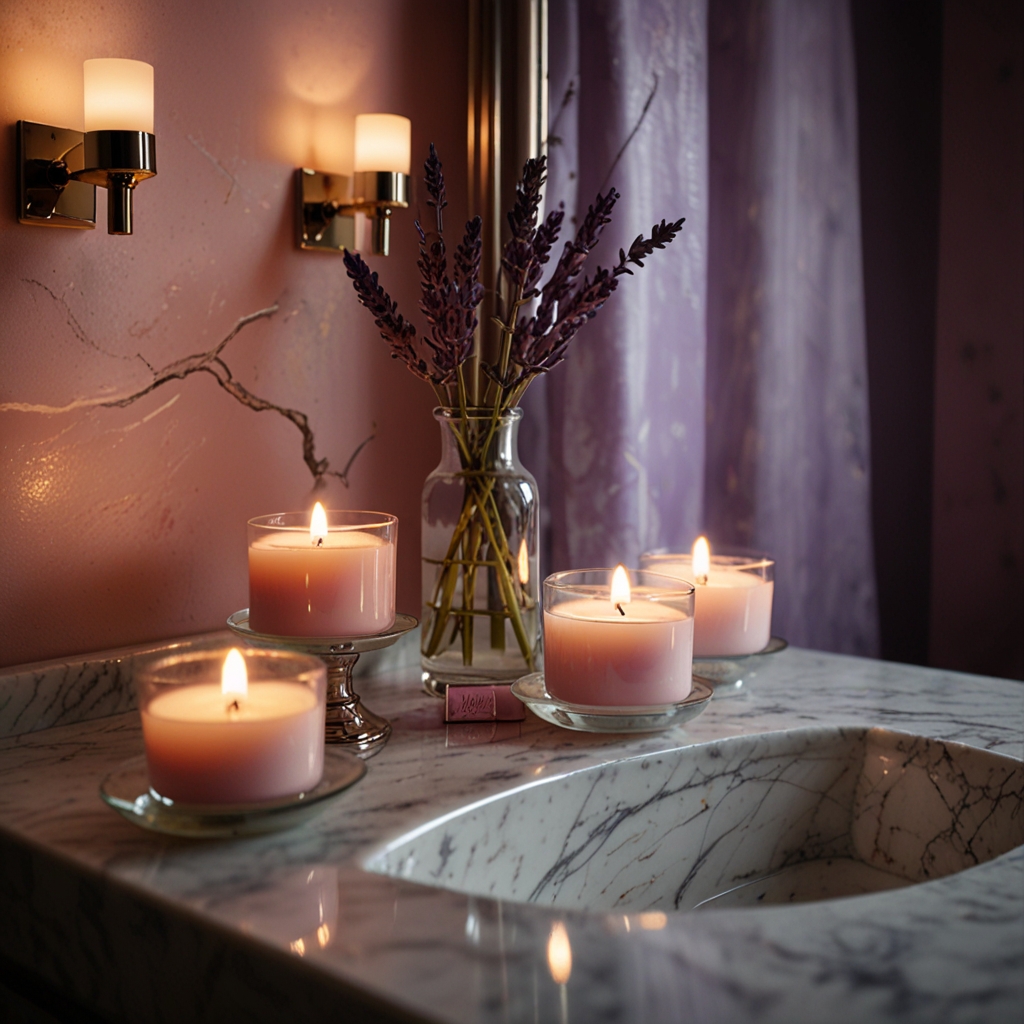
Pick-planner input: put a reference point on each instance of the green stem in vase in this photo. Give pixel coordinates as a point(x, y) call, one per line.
point(469, 589)
point(444, 590)
point(508, 588)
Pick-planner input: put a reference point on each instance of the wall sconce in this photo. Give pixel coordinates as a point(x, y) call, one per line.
point(332, 209)
point(59, 169)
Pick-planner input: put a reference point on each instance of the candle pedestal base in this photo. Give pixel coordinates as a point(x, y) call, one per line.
point(349, 722)
point(731, 675)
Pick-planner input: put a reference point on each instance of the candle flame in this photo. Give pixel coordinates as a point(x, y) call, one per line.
point(233, 677)
point(559, 954)
point(318, 525)
point(620, 589)
point(701, 559)
point(524, 563)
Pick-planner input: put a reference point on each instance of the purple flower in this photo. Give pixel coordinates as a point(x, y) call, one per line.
point(449, 301)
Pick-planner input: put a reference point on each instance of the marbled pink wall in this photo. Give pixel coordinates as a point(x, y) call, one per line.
point(127, 525)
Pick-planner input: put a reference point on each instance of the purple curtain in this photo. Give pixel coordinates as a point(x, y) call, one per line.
point(723, 389)
point(621, 464)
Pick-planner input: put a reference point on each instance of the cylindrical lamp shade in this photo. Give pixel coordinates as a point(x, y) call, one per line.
point(383, 143)
point(118, 95)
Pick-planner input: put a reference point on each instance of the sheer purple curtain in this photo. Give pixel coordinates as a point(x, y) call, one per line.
point(724, 388)
point(787, 467)
point(621, 455)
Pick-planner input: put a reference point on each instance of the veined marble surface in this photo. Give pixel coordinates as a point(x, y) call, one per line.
point(146, 927)
point(669, 831)
point(78, 689)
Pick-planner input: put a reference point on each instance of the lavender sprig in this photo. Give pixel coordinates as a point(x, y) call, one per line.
point(433, 178)
point(567, 270)
point(519, 256)
point(394, 328)
point(548, 350)
point(661, 235)
point(449, 304)
point(468, 255)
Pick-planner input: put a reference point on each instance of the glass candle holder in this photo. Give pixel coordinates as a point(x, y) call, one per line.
point(305, 580)
point(217, 733)
point(733, 607)
point(624, 648)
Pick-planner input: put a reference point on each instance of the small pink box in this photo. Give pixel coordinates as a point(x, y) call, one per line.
point(482, 704)
point(472, 734)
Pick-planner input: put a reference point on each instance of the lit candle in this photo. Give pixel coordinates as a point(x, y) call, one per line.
point(215, 736)
point(331, 575)
point(733, 600)
point(617, 644)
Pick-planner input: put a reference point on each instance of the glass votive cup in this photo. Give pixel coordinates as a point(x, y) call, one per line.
point(338, 584)
point(733, 609)
point(214, 737)
point(633, 653)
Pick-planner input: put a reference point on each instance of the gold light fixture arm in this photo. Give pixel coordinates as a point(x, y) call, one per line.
point(329, 208)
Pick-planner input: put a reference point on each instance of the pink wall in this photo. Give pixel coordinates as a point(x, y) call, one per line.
point(129, 525)
point(978, 511)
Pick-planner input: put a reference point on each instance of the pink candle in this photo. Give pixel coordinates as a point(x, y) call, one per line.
point(231, 740)
point(733, 599)
point(331, 577)
point(617, 644)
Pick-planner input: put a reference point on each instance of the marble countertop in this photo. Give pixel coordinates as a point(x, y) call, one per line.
point(139, 926)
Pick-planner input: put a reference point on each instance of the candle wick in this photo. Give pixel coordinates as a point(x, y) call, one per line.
point(234, 710)
point(620, 610)
point(319, 542)
point(702, 580)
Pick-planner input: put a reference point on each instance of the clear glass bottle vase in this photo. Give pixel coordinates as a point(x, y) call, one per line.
point(480, 537)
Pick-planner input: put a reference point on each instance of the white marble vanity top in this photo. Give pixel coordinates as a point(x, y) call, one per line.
point(286, 926)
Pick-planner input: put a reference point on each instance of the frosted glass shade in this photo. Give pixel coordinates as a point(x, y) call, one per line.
point(383, 143)
point(118, 95)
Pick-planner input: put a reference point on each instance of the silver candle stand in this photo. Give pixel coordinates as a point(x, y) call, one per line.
point(349, 721)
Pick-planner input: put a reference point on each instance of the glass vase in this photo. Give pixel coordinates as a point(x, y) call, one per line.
point(480, 537)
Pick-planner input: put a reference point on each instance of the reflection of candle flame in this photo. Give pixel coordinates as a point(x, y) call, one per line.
point(653, 920)
point(559, 954)
point(524, 563)
point(233, 676)
point(701, 559)
point(620, 589)
point(323, 935)
point(298, 946)
point(318, 525)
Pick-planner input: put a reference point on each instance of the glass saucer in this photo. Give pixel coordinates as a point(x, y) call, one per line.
point(730, 676)
point(603, 718)
point(126, 789)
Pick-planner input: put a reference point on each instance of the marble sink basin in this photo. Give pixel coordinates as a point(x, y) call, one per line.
point(808, 814)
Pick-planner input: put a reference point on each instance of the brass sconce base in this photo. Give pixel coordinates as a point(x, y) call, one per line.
point(334, 212)
point(58, 169)
point(47, 194)
point(318, 197)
